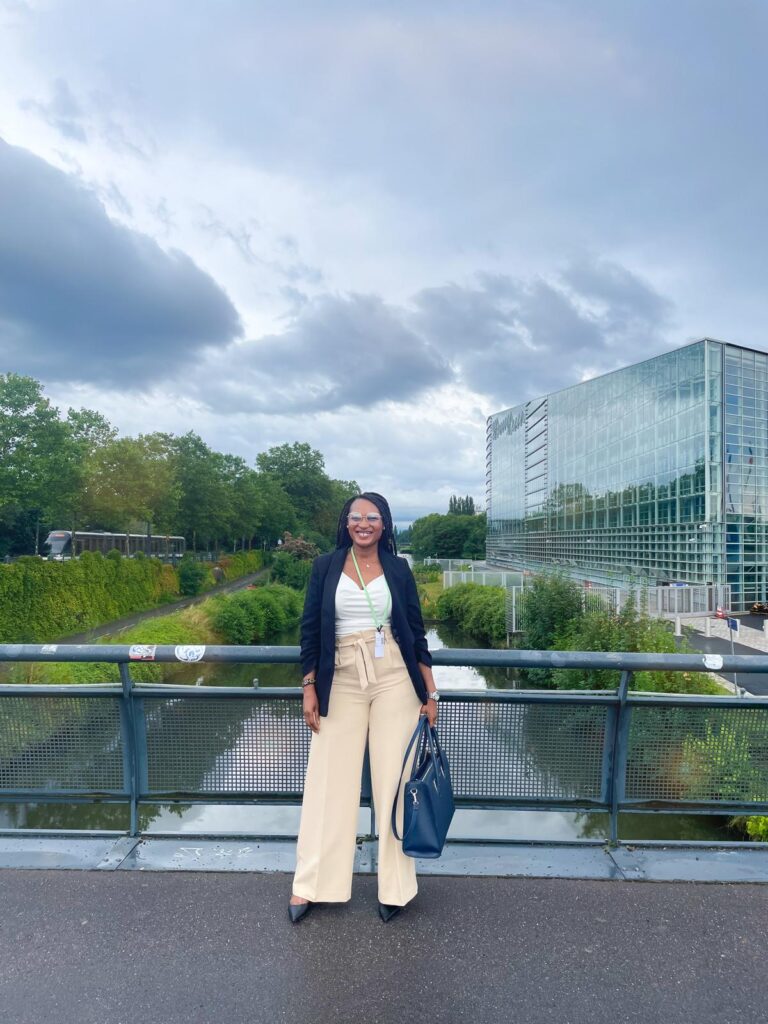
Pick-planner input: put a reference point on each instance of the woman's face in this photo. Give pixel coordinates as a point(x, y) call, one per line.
point(364, 534)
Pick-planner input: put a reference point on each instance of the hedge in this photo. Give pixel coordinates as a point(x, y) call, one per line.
point(42, 601)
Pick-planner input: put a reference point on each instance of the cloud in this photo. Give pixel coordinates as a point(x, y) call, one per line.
point(83, 298)
point(61, 112)
point(338, 352)
point(512, 338)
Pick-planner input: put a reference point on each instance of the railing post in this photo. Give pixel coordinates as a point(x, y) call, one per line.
point(130, 741)
point(618, 760)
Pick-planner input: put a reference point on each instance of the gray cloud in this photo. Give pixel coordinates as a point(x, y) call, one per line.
point(512, 339)
point(82, 298)
point(338, 352)
point(503, 337)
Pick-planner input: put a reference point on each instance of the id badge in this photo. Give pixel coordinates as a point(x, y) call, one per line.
point(378, 649)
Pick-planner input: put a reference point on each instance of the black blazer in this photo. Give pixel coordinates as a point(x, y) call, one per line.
point(318, 624)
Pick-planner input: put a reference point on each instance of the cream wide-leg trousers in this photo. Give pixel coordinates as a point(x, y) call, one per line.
point(374, 698)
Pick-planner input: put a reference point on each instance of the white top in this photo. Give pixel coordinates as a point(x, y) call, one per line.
point(352, 611)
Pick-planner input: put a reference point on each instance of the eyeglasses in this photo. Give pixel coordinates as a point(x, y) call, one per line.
point(372, 517)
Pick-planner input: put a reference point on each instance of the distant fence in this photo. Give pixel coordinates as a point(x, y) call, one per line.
point(658, 602)
point(486, 577)
point(607, 751)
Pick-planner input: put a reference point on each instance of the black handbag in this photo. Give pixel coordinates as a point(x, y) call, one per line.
point(428, 807)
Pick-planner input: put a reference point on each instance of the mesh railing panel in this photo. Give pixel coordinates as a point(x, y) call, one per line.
point(496, 751)
point(61, 743)
point(524, 751)
point(226, 745)
point(698, 754)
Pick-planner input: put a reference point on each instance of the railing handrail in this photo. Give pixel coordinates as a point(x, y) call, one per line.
point(472, 657)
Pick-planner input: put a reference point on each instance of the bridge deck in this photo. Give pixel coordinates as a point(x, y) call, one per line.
point(102, 947)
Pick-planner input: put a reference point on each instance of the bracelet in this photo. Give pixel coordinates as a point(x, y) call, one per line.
point(307, 682)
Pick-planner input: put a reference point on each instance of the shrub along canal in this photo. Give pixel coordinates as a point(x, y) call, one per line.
point(279, 820)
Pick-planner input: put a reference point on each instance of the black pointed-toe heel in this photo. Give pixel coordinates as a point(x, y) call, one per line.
point(297, 911)
point(387, 911)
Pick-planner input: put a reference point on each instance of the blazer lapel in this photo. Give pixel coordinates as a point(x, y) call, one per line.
point(332, 581)
point(389, 566)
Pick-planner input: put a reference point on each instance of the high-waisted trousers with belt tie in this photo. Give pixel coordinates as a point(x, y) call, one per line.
point(370, 698)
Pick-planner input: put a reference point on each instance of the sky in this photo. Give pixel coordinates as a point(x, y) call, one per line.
point(370, 225)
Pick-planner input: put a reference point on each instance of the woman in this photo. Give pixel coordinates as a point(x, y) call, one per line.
point(367, 675)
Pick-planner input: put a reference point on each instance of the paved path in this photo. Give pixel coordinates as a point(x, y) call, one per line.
point(186, 948)
point(752, 640)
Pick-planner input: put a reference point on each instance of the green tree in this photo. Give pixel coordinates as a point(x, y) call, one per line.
point(202, 500)
point(39, 465)
point(449, 536)
point(131, 484)
point(461, 506)
point(300, 470)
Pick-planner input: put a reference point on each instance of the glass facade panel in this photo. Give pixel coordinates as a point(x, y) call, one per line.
point(657, 472)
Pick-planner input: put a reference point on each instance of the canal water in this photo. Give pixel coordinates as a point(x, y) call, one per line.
point(250, 819)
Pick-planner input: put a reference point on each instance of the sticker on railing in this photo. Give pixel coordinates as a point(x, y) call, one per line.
point(189, 652)
point(713, 661)
point(49, 648)
point(142, 652)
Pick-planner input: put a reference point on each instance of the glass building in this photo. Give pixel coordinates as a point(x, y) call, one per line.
point(653, 474)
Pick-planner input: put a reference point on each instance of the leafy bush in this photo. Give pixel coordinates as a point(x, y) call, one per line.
point(479, 610)
point(256, 616)
point(629, 631)
point(192, 576)
point(241, 564)
point(757, 828)
point(290, 570)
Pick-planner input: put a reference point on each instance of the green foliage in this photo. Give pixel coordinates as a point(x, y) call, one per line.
point(429, 595)
point(256, 616)
point(42, 601)
point(315, 497)
point(757, 828)
point(725, 763)
point(549, 605)
point(192, 576)
point(478, 610)
point(427, 573)
point(290, 570)
point(629, 631)
point(449, 536)
point(461, 506)
point(241, 564)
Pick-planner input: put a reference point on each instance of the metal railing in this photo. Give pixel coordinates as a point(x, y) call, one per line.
point(608, 751)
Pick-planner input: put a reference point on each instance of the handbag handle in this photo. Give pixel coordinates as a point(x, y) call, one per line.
point(422, 726)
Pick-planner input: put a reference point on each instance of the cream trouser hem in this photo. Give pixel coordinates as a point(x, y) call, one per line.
point(374, 698)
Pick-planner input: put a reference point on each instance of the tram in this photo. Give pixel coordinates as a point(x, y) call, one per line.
point(63, 544)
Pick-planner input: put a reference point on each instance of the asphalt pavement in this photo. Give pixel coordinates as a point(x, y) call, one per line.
point(186, 948)
point(753, 682)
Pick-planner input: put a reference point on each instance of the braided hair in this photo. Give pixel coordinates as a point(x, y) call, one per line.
point(387, 539)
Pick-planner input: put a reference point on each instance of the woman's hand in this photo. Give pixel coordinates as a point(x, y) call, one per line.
point(311, 708)
point(430, 710)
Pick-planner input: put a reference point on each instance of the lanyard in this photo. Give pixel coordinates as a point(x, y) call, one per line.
point(377, 623)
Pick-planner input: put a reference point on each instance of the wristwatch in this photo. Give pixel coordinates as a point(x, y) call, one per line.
point(433, 696)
